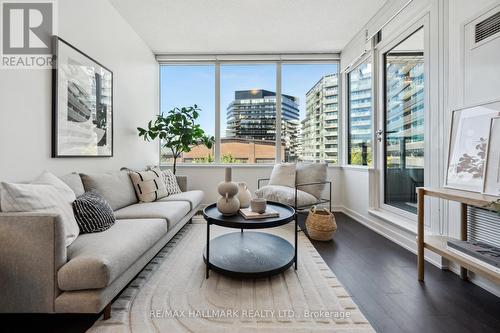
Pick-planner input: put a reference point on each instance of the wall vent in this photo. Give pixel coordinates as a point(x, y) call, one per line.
point(483, 226)
point(487, 28)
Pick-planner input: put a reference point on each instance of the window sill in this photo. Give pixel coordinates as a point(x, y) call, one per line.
point(395, 219)
point(235, 165)
point(357, 167)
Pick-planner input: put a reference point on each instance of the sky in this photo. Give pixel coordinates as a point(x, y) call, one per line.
point(185, 85)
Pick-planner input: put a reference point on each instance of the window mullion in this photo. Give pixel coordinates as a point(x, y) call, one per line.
point(217, 148)
point(278, 158)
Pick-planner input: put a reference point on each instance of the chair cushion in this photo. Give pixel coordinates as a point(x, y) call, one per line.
point(96, 260)
point(283, 174)
point(172, 211)
point(312, 173)
point(194, 197)
point(115, 187)
point(285, 195)
point(74, 181)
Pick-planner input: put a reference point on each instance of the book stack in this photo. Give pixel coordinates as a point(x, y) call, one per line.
point(249, 215)
point(480, 253)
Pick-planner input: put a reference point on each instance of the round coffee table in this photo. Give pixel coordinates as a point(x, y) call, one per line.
point(249, 254)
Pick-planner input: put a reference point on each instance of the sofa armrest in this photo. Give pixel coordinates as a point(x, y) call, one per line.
point(182, 181)
point(32, 249)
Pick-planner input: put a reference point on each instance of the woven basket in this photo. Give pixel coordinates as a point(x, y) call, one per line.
point(320, 224)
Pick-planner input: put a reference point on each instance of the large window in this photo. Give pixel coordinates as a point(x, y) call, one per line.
point(312, 133)
point(359, 115)
point(249, 112)
point(186, 85)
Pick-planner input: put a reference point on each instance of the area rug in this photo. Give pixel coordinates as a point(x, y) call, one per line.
point(172, 295)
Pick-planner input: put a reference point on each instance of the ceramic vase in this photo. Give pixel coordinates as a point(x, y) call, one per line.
point(228, 204)
point(244, 195)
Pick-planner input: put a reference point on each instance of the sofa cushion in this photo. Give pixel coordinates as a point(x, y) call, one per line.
point(96, 260)
point(285, 195)
point(312, 173)
point(172, 211)
point(74, 181)
point(283, 174)
point(194, 197)
point(115, 187)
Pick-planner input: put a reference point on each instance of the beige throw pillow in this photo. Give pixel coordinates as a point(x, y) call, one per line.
point(283, 174)
point(168, 178)
point(312, 173)
point(148, 185)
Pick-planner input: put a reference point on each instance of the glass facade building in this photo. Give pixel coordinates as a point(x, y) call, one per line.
point(252, 115)
point(319, 128)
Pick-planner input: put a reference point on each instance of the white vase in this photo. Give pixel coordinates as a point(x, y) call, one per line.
point(244, 195)
point(228, 204)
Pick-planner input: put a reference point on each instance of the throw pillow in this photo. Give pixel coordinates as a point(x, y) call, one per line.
point(148, 185)
point(46, 194)
point(283, 174)
point(93, 213)
point(312, 173)
point(169, 179)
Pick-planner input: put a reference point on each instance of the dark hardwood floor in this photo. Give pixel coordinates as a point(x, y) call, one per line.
point(381, 277)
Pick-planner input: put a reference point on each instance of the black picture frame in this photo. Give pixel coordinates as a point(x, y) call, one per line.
point(94, 130)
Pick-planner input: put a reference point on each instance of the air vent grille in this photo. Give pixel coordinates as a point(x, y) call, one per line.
point(488, 27)
point(483, 226)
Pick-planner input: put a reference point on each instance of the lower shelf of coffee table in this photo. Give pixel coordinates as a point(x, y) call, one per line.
point(249, 254)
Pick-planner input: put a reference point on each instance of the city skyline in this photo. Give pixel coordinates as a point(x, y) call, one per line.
point(183, 85)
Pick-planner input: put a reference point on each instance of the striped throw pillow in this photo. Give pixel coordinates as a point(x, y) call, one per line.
point(93, 213)
point(148, 185)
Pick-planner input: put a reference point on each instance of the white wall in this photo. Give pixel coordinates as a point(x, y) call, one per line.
point(207, 178)
point(446, 18)
point(97, 29)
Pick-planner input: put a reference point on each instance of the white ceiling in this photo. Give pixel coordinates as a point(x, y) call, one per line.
point(247, 26)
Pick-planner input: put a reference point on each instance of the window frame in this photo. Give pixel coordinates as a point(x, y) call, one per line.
point(367, 58)
point(247, 59)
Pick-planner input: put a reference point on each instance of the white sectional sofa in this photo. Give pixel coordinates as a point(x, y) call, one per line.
point(38, 273)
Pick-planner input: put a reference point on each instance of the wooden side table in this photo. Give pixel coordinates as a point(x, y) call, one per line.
point(438, 244)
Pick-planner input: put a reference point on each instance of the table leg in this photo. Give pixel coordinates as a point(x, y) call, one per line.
point(463, 235)
point(296, 240)
point(208, 249)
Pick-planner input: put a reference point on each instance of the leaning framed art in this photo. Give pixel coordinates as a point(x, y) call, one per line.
point(492, 172)
point(82, 104)
point(469, 140)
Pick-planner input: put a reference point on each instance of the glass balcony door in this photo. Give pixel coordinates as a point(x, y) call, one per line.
point(403, 135)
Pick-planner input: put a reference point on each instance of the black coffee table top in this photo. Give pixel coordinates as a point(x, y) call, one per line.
point(286, 215)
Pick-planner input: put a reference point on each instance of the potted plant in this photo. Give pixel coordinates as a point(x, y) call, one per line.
point(177, 131)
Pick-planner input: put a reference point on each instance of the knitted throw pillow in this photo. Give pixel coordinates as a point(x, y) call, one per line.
point(93, 213)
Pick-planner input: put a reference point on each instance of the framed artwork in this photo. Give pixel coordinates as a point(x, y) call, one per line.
point(492, 174)
point(470, 133)
point(82, 104)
